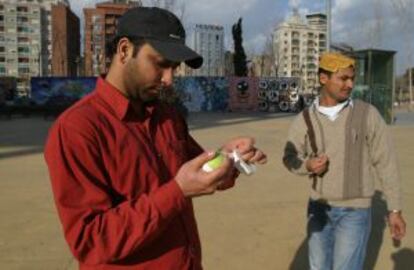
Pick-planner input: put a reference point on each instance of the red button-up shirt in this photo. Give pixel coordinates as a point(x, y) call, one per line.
point(112, 168)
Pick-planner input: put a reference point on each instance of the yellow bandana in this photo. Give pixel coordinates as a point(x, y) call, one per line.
point(334, 61)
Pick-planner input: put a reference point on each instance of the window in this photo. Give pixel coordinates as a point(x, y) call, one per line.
point(2, 49)
point(24, 70)
point(23, 49)
point(23, 60)
point(22, 39)
point(22, 9)
point(23, 29)
point(2, 59)
point(22, 19)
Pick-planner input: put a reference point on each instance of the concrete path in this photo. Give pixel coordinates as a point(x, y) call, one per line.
point(259, 224)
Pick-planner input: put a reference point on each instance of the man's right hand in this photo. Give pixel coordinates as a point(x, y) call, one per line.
point(193, 181)
point(317, 165)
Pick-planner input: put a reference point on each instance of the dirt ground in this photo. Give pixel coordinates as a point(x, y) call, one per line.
point(259, 224)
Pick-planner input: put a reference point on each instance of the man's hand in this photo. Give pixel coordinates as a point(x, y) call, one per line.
point(247, 150)
point(317, 165)
point(397, 225)
point(193, 181)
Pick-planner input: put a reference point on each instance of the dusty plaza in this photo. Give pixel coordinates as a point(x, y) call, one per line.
point(259, 224)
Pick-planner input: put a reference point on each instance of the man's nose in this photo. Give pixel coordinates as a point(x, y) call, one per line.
point(167, 77)
point(350, 83)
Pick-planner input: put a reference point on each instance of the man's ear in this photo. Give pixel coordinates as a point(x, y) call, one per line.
point(323, 78)
point(124, 49)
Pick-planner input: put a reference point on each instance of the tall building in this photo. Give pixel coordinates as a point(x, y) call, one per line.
point(20, 43)
point(47, 35)
point(100, 25)
point(65, 42)
point(208, 41)
point(298, 44)
point(26, 40)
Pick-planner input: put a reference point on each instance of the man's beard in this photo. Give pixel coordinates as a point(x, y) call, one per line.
point(167, 94)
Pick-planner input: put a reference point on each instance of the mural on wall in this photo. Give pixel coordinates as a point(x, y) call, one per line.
point(7, 89)
point(60, 90)
point(279, 95)
point(192, 94)
point(243, 93)
point(202, 93)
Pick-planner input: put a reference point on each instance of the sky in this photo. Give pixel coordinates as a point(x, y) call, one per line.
point(363, 24)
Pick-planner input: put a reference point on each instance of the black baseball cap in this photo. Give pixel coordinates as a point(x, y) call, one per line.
point(162, 30)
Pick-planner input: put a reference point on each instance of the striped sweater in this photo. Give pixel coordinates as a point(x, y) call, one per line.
point(377, 159)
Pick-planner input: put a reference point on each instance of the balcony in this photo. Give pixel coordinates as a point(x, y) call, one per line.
point(110, 20)
point(22, 9)
point(295, 43)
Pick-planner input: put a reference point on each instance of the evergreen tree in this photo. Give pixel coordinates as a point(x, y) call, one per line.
point(239, 60)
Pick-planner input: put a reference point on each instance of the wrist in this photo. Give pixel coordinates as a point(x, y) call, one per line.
point(394, 211)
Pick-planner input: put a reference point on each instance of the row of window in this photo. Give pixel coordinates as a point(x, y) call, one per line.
point(20, 29)
point(21, 70)
point(19, 9)
point(19, 40)
point(21, 49)
point(19, 60)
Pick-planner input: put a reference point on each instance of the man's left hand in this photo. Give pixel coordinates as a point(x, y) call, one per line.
point(397, 225)
point(247, 150)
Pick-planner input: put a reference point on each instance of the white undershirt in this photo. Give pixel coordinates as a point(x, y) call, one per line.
point(332, 112)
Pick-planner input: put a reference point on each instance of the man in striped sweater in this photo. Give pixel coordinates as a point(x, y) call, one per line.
point(342, 145)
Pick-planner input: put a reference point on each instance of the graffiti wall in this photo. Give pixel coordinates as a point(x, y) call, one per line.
point(7, 89)
point(243, 93)
point(60, 90)
point(203, 93)
point(279, 95)
point(196, 94)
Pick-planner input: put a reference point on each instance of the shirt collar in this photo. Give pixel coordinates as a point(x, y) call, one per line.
point(332, 112)
point(121, 105)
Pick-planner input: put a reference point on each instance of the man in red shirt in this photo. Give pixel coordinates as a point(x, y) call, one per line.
point(122, 163)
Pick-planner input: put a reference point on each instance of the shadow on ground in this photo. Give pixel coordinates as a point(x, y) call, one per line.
point(26, 135)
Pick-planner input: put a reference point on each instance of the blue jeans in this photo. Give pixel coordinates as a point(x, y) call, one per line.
point(337, 236)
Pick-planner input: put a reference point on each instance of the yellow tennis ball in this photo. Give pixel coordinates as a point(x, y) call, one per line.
point(214, 163)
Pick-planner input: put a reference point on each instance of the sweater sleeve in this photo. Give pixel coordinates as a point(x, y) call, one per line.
point(98, 226)
point(384, 159)
point(295, 153)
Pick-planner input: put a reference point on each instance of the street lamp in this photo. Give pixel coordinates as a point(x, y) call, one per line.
point(328, 25)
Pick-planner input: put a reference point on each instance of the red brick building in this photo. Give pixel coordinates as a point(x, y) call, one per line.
point(100, 25)
point(65, 41)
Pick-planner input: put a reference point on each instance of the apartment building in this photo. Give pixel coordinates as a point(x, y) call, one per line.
point(100, 26)
point(208, 41)
point(298, 44)
point(20, 43)
point(65, 42)
point(26, 40)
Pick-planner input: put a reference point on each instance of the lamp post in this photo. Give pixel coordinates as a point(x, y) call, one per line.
point(328, 25)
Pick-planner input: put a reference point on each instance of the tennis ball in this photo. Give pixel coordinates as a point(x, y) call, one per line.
point(214, 163)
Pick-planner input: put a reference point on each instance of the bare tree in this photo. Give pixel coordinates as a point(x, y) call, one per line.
point(268, 57)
